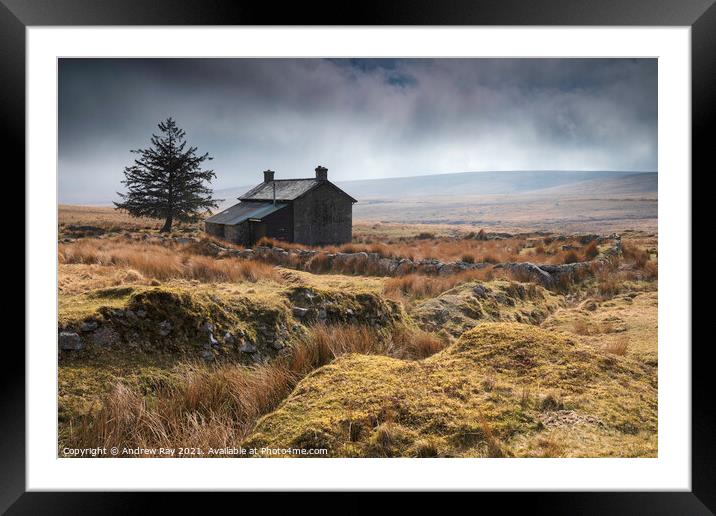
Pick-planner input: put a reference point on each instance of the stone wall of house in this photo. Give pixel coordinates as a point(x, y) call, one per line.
point(279, 225)
point(323, 216)
point(238, 233)
point(216, 230)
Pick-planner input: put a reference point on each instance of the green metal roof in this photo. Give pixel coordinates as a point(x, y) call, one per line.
point(238, 213)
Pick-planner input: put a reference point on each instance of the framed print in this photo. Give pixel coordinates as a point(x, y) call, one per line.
point(411, 250)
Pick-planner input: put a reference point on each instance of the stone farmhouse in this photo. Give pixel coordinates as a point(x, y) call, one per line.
point(310, 211)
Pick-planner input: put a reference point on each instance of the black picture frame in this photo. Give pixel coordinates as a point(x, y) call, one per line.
point(700, 15)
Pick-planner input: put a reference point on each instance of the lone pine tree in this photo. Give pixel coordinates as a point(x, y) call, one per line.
point(166, 181)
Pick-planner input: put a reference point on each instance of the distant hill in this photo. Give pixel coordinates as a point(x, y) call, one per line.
point(645, 183)
point(478, 183)
point(490, 183)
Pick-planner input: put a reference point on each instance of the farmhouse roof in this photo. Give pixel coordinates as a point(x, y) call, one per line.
point(286, 189)
point(244, 211)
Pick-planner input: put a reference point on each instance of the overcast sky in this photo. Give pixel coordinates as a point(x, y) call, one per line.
point(360, 118)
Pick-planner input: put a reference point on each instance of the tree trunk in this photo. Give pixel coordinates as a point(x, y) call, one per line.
point(167, 225)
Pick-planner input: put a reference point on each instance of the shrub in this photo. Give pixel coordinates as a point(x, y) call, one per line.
point(608, 285)
point(580, 327)
point(618, 347)
point(570, 257)
point(651, 269)
point(639, 256)
point(319, 262)
point(591, 251)
point(265, 242)
point(415, 344)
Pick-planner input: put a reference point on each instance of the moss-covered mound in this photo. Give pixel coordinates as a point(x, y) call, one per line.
point(463, 307)
point(344, 306)
point(179, 320)
point(503, 389)
point(211, 323)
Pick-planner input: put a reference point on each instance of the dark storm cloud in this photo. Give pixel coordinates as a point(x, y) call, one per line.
point(361, 118)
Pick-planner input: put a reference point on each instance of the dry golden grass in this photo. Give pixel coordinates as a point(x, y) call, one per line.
point(591, 251)
point(425, 246)
point(104, 217)
point(618, 346)
point(549, 446)
point(570, 257)
point(162, 262)
point(619, 274)
point(419, 286)
point(639, 256)
point(581, 327)
point(625, 324)
point(79, 278)
point(217, 406)
point(590, 326)
point(207, 407)
point(415, 344)
point(377, 231)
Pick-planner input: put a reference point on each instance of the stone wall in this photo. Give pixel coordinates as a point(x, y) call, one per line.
point(279, 225)
point(323, 216)
point(547, 275)
point(216, 230)
point(238, 233)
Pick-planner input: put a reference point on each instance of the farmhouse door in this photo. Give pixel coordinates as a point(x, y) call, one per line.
point(258, 231)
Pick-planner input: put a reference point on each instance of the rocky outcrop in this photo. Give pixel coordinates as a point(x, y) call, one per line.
point(528, 272)
point(547, 275)
point(551, 275)
point(334, 307)
point(69, 341)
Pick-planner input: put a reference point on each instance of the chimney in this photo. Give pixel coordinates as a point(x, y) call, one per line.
point(321, 173)
point(268, 176)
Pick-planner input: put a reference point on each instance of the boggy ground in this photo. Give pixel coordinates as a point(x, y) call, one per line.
point(164, 344)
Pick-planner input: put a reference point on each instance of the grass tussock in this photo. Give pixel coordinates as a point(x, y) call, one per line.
point(570, 257)
point(587, 327)
point(618, 274)
point(419, 286)
point(591, 251)
point(618, 347)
